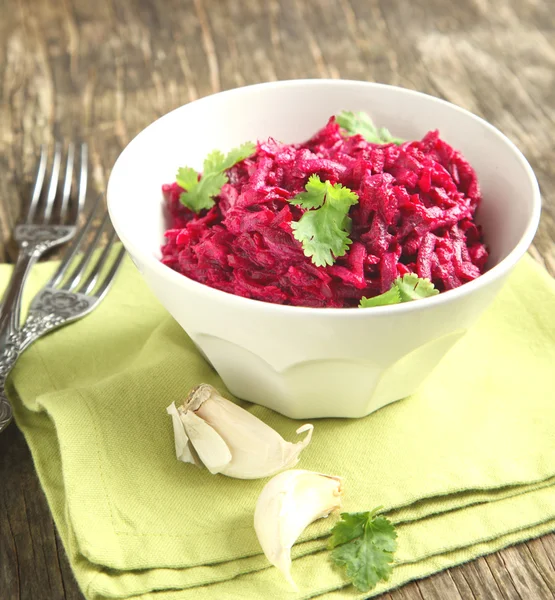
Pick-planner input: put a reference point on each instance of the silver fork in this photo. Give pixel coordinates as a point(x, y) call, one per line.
point(72, 292)
point(50, 221)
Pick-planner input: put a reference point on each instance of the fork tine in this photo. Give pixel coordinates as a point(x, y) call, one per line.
point(39, 180)
point(108, 280)
point(67, 182)
point(88, 285)
point(82, 180)
point(72, 250)
point(53, 182)
point(79, 270)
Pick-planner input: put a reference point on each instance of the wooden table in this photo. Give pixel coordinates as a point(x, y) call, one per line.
point(103, 70)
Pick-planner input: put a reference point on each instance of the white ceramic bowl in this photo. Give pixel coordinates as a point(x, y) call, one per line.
point(306, 362)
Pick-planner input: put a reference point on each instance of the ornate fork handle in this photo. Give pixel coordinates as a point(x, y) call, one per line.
point(10, 310)
point(8, 357)
point(37, 324)
point(33, 240)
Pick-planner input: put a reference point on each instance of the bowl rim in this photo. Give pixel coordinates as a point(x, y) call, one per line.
point(496, 272)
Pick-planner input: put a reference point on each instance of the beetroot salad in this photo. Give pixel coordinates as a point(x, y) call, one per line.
point(352, 217)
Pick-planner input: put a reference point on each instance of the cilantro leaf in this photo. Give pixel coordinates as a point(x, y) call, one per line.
point(364, 543)
point(199, 193)
point(392, 296)
point(314, 196)
point(214, 162)
point(236, 155)
point(186, 178)
point(348, 528)
point(404, 289)
point(321, 235)
point(412, 287)
point(201, 196)
point(361, 123)
point(342, 195)
point(324, 231)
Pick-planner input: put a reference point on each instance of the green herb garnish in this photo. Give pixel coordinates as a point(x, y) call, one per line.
point(199, 193)
point(324, 228)
point(364, 544)
point(412, 287)
point(392, 296)
point(404, 289)
point(361, 123)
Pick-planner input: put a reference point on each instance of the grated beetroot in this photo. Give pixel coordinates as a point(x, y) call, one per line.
point(415, 215)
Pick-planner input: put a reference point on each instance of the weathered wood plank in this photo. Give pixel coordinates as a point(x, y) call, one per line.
point(29, 564)
point(480, 581)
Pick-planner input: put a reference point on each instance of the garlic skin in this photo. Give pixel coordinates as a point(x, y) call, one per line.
point(214, 432)
point(288, 503)
point(182, 446)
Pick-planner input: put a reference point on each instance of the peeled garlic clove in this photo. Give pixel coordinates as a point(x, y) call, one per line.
point(210, 447)
point(256, 449)
point(288, 503)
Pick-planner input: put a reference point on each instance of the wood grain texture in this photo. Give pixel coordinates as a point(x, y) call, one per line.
point(103, 70)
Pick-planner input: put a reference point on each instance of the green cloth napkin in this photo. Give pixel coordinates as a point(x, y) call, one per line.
point(464, 467)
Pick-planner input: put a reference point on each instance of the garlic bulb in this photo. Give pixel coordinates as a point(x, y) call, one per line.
point(213, 432)
point(288, 503)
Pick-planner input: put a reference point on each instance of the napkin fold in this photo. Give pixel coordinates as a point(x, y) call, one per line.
point(464, 467)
